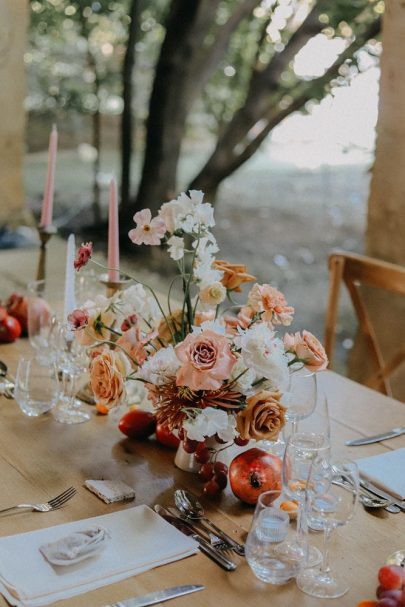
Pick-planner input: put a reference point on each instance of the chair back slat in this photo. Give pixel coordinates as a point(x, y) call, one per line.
point(357, 271)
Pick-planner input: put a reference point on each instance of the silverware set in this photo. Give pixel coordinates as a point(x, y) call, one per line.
point(188, 517)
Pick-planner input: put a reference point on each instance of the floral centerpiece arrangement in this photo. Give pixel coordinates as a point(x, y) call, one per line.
point(210, 367)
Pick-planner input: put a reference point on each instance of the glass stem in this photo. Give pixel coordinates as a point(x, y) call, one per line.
point(302, 528)
point(325, 569)
point(72, 392)
point(294, 426)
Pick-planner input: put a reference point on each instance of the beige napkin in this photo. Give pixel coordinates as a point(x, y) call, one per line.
point(140, 540)
point(386, 470)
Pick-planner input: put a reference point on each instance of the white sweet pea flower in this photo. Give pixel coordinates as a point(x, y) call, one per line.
point(187, 213)
point(265, 354)
point(159, 368)
point(212, 325)
point(245, 376)
point(208, 422)
point(176, 247)
point(137, 299)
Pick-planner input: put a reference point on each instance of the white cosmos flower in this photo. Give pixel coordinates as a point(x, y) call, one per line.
point(264, 353)
point(208, 422)
point(159, 368)
point(176, 247)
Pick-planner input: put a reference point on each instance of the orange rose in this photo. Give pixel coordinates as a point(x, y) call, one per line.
point(106, 378)
point(234, 274)
point(263, 417)
point(308, 349)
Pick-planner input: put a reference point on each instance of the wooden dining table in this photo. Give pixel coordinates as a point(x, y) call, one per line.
point(40, 457)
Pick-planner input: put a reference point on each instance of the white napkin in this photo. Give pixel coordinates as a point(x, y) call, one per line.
point(76, 547)
point(386, 470)
point(140, 540)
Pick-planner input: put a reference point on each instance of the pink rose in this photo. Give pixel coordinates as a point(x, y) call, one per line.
point(272, 305)
point(307, 348)
point(106, 379)
point(207, 360)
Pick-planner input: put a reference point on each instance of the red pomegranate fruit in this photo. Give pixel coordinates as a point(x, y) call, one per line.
point(253, 472)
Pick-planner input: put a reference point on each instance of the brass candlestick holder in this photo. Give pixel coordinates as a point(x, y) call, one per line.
point(114, 286)
point(45, 234)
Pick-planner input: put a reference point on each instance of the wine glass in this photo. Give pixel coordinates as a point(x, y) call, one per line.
point(36, 387)
point(301, 396)
point(330, 501)
point(301, 450)
point(269, 529)
point(71, 363)
point(41, 320)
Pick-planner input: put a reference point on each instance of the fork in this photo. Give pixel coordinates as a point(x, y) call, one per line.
point(53, 504)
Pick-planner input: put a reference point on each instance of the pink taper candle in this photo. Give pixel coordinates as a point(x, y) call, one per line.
point(113, 235)
point(47, 205)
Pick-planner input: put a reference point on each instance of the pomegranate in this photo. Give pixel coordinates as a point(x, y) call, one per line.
point(17, 306)
point(253, 472)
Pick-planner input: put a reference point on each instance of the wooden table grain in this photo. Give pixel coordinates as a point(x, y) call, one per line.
point(40, 457)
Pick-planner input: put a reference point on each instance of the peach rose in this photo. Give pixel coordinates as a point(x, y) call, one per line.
point(307, 348)
point(106, 378)
point(207, 360)
point(263, 417)
point(271, 303)
point(234, 274)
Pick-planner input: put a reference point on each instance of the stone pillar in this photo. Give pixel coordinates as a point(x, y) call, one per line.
point(386, 212)
point(13, 28)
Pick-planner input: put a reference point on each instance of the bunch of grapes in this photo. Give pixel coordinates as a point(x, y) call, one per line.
point(214, 474)
point(391, 589)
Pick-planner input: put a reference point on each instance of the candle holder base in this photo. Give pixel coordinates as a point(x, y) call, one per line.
point(45, 234)
point(112, 285)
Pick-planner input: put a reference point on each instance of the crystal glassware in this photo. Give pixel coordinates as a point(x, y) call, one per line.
point(330, 501)
point(36, 386)
point(300, 397)
point(71, 362)
point(301, 450)
point(269, 530)
point(42, 321)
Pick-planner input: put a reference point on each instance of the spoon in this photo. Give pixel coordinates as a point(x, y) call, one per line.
point(188, 504)
point(369, 501)
point(3, 369)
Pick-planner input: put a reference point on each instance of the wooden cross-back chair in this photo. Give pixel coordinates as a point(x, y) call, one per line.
point(356, 270)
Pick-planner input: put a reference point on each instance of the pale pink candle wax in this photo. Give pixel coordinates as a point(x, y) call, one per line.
point(47, 205)
point(113, 235)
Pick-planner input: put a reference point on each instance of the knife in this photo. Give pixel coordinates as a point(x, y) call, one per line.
point(377, 438)
point(381, 493)
point(204, 546)
point(159, 596)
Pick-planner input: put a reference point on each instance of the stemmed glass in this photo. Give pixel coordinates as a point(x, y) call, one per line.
point(41, 321)
point(301, 450)
point(71, 363)
point(330, 501)
point(301, 396)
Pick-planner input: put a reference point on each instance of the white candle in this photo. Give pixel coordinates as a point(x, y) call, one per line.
point(70, 298)
point(47, 205)
point(113, 235)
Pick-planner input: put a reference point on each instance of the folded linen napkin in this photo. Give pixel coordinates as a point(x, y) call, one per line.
point(140, 540)
point(76, 547)
point(386, 471)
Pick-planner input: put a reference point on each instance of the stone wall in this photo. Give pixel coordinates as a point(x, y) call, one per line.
point(13, 27)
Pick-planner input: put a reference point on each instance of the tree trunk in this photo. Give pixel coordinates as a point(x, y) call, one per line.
point(386, 213)
point(127, 119)
point(13, 39)
point(183, 68)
